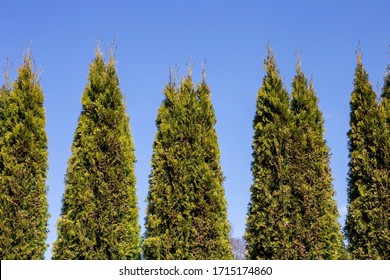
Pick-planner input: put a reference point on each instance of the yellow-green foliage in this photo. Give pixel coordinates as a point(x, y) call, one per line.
point(99, 218)
point(367, 225)
point(186, 214)
point(269, 227)
point(23, 167)
point(292, 213)
point(317, 232)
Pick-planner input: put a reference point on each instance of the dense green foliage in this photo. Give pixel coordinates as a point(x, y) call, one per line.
point(367, 225)
point(269, 228)
point(317, 233)
point(23, 167)
point(186, 213)
point(292, 213)
point(99, 218)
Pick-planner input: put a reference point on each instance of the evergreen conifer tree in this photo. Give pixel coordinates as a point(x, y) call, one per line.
point(23, 167)
point(367, 225)
point(269, 229)
point(186, 213)
point(99, 218)
point(317, 233)
point(383, 172)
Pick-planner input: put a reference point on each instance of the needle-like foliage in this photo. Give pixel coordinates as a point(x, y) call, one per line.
point(317, 233)
point(269, 228)
point(23, 167)
point(99, 218)
point(186, 213)
point(367, 225)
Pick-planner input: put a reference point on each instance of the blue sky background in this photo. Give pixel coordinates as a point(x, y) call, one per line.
point(232, 36)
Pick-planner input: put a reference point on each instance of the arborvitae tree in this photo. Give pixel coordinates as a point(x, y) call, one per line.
point(186, 213)
point(23, 167)
point(367, 225)
point(269, 228)
point(210, 222)
point(383, 171)
point(5, 230)
point(317, 233)
point(99, 218)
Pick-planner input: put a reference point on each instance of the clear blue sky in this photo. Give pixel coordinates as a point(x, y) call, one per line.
point(231, 35)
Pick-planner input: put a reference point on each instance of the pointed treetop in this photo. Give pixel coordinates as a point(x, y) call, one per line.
point(6, 74)
point(111, 60)
point(359, 54)
point(269, 49)
point(190, 65)
point(98, 48)
point(270, 62)
point(173, 72)
point(298, 64)
point(27, 55)
point(28, 62)
point(113, 48)
point(204, 70)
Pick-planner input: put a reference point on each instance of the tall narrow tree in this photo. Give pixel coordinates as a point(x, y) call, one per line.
point(5, 229)
point(383, 170)
point(186, 214)
point(317, 233)
point(367, 223)
point(269, 229)
point(99, 218)
point(23, 167)
point(210, 214)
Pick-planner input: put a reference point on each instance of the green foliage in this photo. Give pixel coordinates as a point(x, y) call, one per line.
point(385, 102)
point(317, 233)
point(292, 213)
point(367, 225)
point(99, 218)
point(23, 167)
point(269, 228)
point(186, 213)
